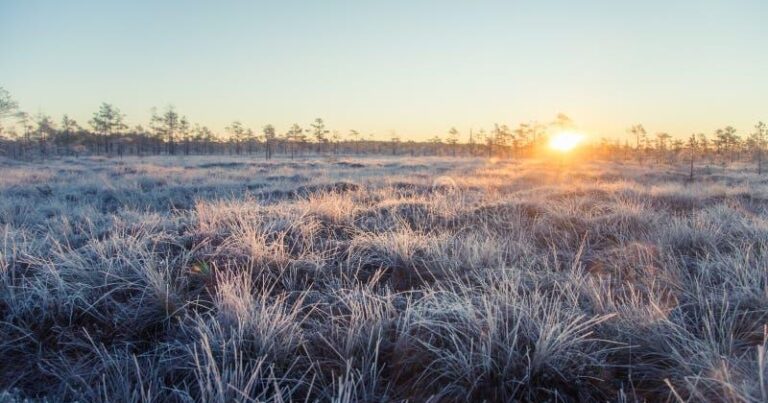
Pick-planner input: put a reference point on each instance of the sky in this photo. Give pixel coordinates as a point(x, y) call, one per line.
point(414, 67)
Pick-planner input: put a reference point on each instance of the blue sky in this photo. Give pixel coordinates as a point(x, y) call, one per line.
point(415, 67)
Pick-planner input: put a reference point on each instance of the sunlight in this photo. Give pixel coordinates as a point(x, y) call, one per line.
point(565, 141)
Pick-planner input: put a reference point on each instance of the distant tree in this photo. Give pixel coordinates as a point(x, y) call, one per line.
point(471, 143)
point(452, 139)
point(123, 143)
point(647, 144)
point(336, 138)
point(45, 129)
point(373, 147)
point(661, 144)
point(296, 138)
point(638, 131)
point(236, 132)
point(720, 142)
point(627, 148)
point(25, 121)
point(693, 148)
point(394, 140)
point(319, 132)
point(141, 140)
point(677, 146)
point(204, 136)
point(168, 129)
point(166, 126)
point(502, 137)
point(662, 139)
point(7, 106)
point(107, 122)
point(67, 129)
point(758, 140)
point(250, 140)
point(520, 136)
point(436, 143)
point(185, 133)
point(411, 147)
point(703, 143)
point(537, 132)
point(488, 140)
point(562, 122)
point(270, 136)
point(354, 135)
point(726, 142)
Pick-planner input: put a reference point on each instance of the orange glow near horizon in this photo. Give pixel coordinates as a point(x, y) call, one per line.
point(565, 141)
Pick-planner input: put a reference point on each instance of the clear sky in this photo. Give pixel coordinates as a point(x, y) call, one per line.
point(416, 67)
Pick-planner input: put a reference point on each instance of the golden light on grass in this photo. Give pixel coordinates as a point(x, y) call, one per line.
point(565, 141)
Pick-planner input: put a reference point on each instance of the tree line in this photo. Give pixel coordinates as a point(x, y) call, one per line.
point(723, 147)
point(38, 136)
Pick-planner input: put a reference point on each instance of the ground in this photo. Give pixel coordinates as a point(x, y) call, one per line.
point(377, 279)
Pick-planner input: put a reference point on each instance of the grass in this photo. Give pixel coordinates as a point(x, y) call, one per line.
point(231, 279)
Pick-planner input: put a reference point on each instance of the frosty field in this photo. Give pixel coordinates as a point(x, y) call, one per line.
point(376, 279)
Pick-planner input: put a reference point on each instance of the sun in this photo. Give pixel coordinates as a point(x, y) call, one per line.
point(565, 141)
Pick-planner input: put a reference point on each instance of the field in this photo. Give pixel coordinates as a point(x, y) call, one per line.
point(375, 279)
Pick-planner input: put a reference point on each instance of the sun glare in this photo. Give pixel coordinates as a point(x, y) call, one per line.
point(565, 141)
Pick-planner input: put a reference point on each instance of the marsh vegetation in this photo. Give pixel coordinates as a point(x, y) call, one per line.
point(377, 279)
